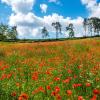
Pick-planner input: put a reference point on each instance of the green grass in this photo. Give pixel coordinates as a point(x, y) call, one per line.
point(25, 67)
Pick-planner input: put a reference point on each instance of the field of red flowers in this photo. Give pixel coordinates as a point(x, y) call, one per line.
point(63, 70)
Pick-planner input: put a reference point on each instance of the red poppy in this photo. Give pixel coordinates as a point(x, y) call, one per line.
point(34, 77)
point(58, 97)
point(64, 67)
point(48, 72)
point(77, 85)
point(56, 79)
point(18, 84)
point(75, 76)
point(41, 89)
point(48, 87)
point(79, 67)
point(66, 81)
point(23, 96)
point(3, 76)
point(57, 89)
point(80, 98)
point(69, 71)
point(9, 76)
point(53, 93)
point(88, 84)
point(94, 97)
point(13, 94)
point(96, 91)
point(69, 92)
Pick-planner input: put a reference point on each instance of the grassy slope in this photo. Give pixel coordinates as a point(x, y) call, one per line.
point(25, 59)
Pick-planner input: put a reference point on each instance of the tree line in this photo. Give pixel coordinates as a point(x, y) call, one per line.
point(8, 33)
point(58, 28)
point(90, 25)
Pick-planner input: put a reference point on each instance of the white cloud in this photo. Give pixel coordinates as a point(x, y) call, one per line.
point(29, 25)
point(64, 22)
point(43, 8)
point(87, 1)
point(53, 1)
point(25, 20)
point(95, 11)
point(28, 32)
point(20, 6)
point(31, 28)
point(93, 7)
point(56, 2)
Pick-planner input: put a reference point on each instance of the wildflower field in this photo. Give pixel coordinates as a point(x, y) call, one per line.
point(62, 70)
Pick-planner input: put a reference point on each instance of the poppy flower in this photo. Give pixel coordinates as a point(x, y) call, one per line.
point(80, 98)
point(18, 84)
point(41, 89)
point(88, 84)
point(69, 92)
point(96, 91)
point(58, 97)
point(48, 87)
point(66, 81)
point(69, 71)
point(57, 89)
point(53, 93)
point(35, 77)
point(56, 79)
point(23, 96)
point(9, 76)
point(94, 97)
point(13, 94)
point(77, 85)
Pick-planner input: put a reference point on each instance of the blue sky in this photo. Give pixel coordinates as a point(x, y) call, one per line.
point(5, 12)
point(30, 15)
point(66, 8)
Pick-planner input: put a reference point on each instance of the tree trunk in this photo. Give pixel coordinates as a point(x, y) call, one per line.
point(56, 35)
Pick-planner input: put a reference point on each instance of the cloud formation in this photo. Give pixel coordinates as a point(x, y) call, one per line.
point(20, 6)
point(53, 1)
point(29, 25)
point(56, 2)
point(93, 7)
point(43, 8)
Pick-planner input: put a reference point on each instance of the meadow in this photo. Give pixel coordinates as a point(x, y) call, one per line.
point(62, 70)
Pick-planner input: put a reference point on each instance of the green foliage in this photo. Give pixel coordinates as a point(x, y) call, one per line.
point(7, 33)
point(57, 27)
point(70, 28)
point(12, 34)
point(92, 25)
point(44, 32)
point(3, 31)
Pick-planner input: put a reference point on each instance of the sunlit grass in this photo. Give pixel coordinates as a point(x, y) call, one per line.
point(67, 70)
